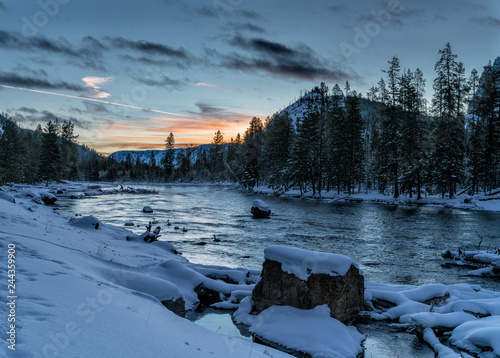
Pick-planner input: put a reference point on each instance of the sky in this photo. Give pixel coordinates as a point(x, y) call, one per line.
point(128, 73)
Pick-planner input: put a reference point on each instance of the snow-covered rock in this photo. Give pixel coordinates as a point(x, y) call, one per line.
point(7, 197)
point(305, 279)
point(86, 222)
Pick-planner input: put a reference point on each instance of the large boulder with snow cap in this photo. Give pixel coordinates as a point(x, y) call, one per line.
point(305, 279)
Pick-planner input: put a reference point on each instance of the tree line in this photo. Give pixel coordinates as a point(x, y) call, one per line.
point(391, 140)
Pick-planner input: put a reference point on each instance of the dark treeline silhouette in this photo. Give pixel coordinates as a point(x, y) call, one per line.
point(330, 139)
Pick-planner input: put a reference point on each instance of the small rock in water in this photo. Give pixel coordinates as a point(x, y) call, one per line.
point(176, 227)
point(147, 209)
point(201, 243)
point(129, 223)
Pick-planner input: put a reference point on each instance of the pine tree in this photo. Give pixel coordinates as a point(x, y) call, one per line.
point(449, 135)
point(353, 143)
point(69, 154)
point(390, 153)
point(11, 152)
point(50, 158)
point(168, 159)
point(413, 141)
point(277, 149)
point(252, 152)
point(217, 156)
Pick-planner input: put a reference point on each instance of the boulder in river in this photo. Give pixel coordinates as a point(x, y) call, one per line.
point(305, 279)
point(48, 198)
point(147, 209)
point(260, 209)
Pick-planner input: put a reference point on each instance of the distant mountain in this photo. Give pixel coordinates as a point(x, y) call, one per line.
point(146, 155)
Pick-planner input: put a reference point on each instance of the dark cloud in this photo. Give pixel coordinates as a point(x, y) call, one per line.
point(248, 26)
point(488, 21)
point(44, 116)
point(262, 45)
point(25, 70)
point(153, 61)
point(250, 14)
point(206, 110)
point(86, 55)
point(162, 81)
point(150, 48)
point(300, 61)
point(29, 82)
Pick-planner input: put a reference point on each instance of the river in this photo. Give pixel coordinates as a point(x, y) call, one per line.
point(392, 244)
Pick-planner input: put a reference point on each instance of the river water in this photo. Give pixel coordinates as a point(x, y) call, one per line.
point(392, 244)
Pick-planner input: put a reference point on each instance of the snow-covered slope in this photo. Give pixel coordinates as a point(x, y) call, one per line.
point(83, 290)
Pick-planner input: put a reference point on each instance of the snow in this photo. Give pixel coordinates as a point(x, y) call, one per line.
point(460, 309)
point(310, 331)
point(91, 293)
point(480, 333)
point(83, 292)
point(476, 202)
point(261, 205)
point(303, 263)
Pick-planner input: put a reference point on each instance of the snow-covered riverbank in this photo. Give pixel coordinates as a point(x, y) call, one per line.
point(463, 201)
point(83, 291)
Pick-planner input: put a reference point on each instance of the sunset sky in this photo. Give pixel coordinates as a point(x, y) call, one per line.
point(129, 72)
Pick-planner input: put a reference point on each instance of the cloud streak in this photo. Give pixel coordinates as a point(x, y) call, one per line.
point(101, 101)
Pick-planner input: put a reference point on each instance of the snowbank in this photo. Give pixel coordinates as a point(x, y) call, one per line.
point(309, 331)
point(303, 263)
point(83, 292)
